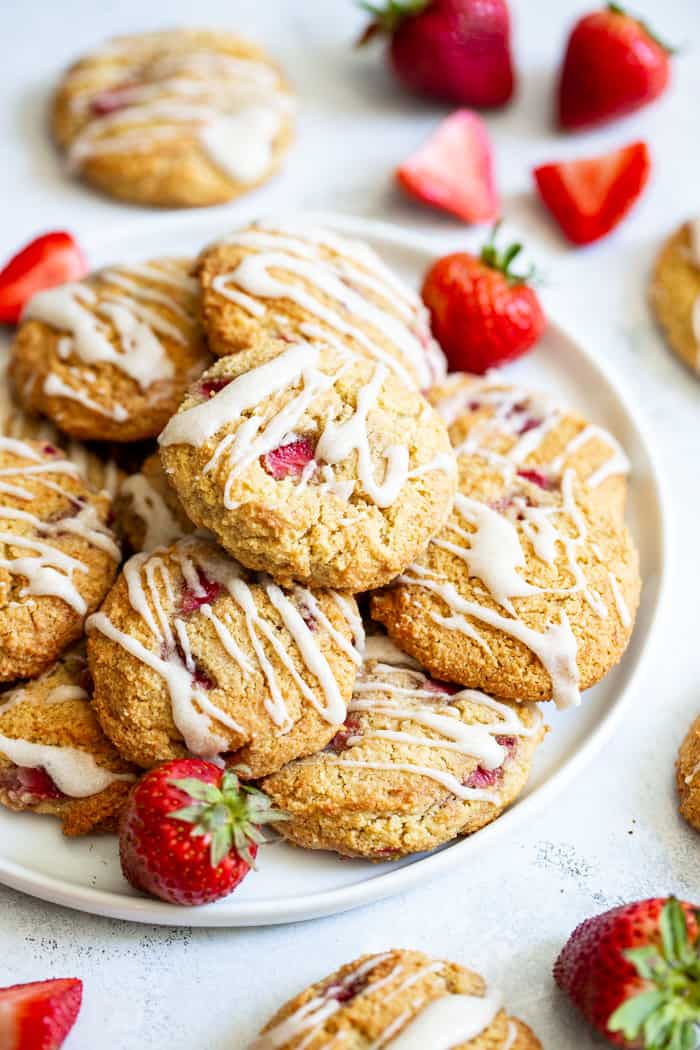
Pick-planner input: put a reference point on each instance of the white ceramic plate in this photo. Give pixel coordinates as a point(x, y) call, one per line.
point(293, 884)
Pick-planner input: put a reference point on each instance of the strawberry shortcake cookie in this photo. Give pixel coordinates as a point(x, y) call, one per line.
point(688, 775)
point(401, 1000)
point(674, 292)
point(527, 593)
point(58, 556)
point(529, 432)
point(54, 758)
point(110, 357)
point(417, 763)
point(189, 653)
point(289, 280)
point(311, 463)
point(178, 118)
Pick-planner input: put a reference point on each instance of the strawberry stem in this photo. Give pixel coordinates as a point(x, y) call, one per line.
point(501, 261)
point(666, 1012)
point(230, 814)
point(618, 9)
point(388, 19)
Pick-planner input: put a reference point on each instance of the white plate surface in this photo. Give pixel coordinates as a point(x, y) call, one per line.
point(293, 884)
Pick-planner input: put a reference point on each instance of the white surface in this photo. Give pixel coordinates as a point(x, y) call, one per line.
point(293, 884)
point(615, 834)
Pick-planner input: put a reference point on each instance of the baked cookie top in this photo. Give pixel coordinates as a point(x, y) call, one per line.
point(416, 763)
point(149, 512)
point(529, 432)
point(311, 463)
point(58, 556)
point(526, 593)
point(110, 357)
point(54, 758)
point(398, 999)
point(288, 280)
point(674, 292)
point(178, 118)
point(189, 653)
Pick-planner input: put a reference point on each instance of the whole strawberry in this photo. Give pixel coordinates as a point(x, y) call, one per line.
point(189, 832)
point(634, 973)
point(613, 65)
point(39, 1016)
point(482, 313)
point(456, 50)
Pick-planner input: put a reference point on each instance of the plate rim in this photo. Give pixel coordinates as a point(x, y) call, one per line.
point(388, 883)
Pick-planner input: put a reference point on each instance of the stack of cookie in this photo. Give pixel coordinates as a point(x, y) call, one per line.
point(320, 478)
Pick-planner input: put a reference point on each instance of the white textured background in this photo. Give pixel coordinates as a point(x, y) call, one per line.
point(615, 835)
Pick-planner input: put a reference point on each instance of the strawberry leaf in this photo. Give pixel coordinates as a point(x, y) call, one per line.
point(198, 789)
point(630, 1017)
point(674, 930)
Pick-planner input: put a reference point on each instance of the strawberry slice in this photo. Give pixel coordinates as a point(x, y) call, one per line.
point(288, 461)
point(49, 260)
point(589, 197)
point(40, 1015)
point(27, 786)
point(453, 170)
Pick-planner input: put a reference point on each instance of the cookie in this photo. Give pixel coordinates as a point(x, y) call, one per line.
point(110, 357)
point(311, 463)
point(287, 281)
point(57, 555)
point(188, 653)
point(674, 293)
point(150, 513)
point(178, 119)
point(688, 775)
point(417, 763)
point(100, 471)
point(54, 758)
point(401, 1000)
point(529, 432)
point(527, 593)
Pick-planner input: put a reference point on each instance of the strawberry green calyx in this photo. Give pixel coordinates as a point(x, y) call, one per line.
point(618, 9)
point(665, 1014)
point(387, 19)
point(502, 260)
point(230, 814)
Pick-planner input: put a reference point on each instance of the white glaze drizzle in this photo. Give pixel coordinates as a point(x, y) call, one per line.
point(120, 304)
point(160, 524)
point(75, 773)
point(194, 713)
point(233, 107)
point(445, 1023)
point(258, 434)
point(48, 570)
point(296, 254)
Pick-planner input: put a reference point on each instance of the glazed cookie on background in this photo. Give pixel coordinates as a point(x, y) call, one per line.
point(54, 758)
point(397, 999)
point(190, 653)
point(417, 763)
point(288, 280)
point(674, 293)
point(110, 357)
point(311, 463)
point(179, 118)
point(150, 513)
point(688, 775)
point(526, 593)
point(529, 432)
point(57, 555)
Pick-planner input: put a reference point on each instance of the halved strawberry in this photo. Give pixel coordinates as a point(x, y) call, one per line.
point(49, 260)
point(589, 197)
point(453, 170)
point(40, 1015)
point(288, 461)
